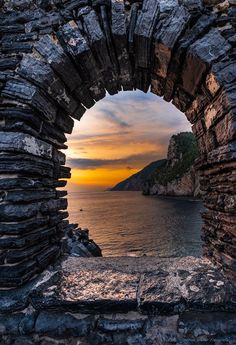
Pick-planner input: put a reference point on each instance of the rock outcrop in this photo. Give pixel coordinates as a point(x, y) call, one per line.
point(178, 175)
point(78, 243)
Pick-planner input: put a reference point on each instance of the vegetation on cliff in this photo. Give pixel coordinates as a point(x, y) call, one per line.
point(181, 156)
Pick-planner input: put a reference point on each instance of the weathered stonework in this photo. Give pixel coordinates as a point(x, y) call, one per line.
point(128, 301)
point(60, 57)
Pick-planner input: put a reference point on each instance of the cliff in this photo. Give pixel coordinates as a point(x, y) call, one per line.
point(178, 176)
point(172, 176)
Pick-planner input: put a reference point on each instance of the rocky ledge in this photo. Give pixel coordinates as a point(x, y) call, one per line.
point(125, 300)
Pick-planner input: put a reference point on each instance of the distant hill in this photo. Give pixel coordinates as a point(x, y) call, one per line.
point(172, 176)
point(137, 181)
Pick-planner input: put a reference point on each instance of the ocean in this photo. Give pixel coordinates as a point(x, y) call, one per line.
point(130, 224)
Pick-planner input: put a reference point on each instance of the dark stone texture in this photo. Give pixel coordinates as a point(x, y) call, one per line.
point(41, 74)
point(118, 29)
point(29, 94)
point(168, 36)
point(61, 317)
point(143, 32)
point(59, 61)
point(153, 285)
point(200, 57)
point(59, 324)
point(176, 64)
point(19, 142)
point(60, 57)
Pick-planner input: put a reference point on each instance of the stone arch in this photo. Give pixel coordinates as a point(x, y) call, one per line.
point(59, 58)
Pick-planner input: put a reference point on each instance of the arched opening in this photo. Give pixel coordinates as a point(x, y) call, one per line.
point(114, 140)
point(68, 56)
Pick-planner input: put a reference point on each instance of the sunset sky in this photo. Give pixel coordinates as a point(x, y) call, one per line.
point(118, 137)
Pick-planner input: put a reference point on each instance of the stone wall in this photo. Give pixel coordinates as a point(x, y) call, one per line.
point(60, 57)
point(122, 301)
point(127, 329)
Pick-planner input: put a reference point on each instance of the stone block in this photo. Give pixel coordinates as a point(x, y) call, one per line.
point(8, 63)
point(167, 38)
point(84, 96)
point(77, 47)
point(47, 21)
point(166, 7)
point(64, 122)
point(207, 324)
point(143, 32)
point(142, 79)
point(10, 212)
point(198, 128)
point(119, 29)
point(17, 196)
point(18, 323)
point(222, 154)
point(16, 47)
point(182, 100)
point(98, 44)
point(23, 164)
point(225, 130)
point(51, 50)
point(222, 73)
point(15, 256)
point(190, 36)
point(41, 74)
point(45, 257)
point(132, 23)
point(196, 110)
point(157, 85)
point(53, 205)
point(20, 142)
point(17, 275)
point(27, 240)
point(122, 323)
point(64, 324)
point(21, 228)
point(25, 114)
point(223, 103)
point(27, 93)
point(200, 57)
point(193, 6)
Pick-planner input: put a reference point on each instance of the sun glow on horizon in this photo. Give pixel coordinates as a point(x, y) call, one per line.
point(118, 137)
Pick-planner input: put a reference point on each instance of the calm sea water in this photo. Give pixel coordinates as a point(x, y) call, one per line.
point(128, 223)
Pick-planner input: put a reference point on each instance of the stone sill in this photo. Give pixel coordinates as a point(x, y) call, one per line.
point(147, 285)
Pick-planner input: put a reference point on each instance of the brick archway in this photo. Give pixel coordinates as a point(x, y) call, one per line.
point(59, 58)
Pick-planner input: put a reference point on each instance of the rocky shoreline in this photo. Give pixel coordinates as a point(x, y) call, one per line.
point(78, 243)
